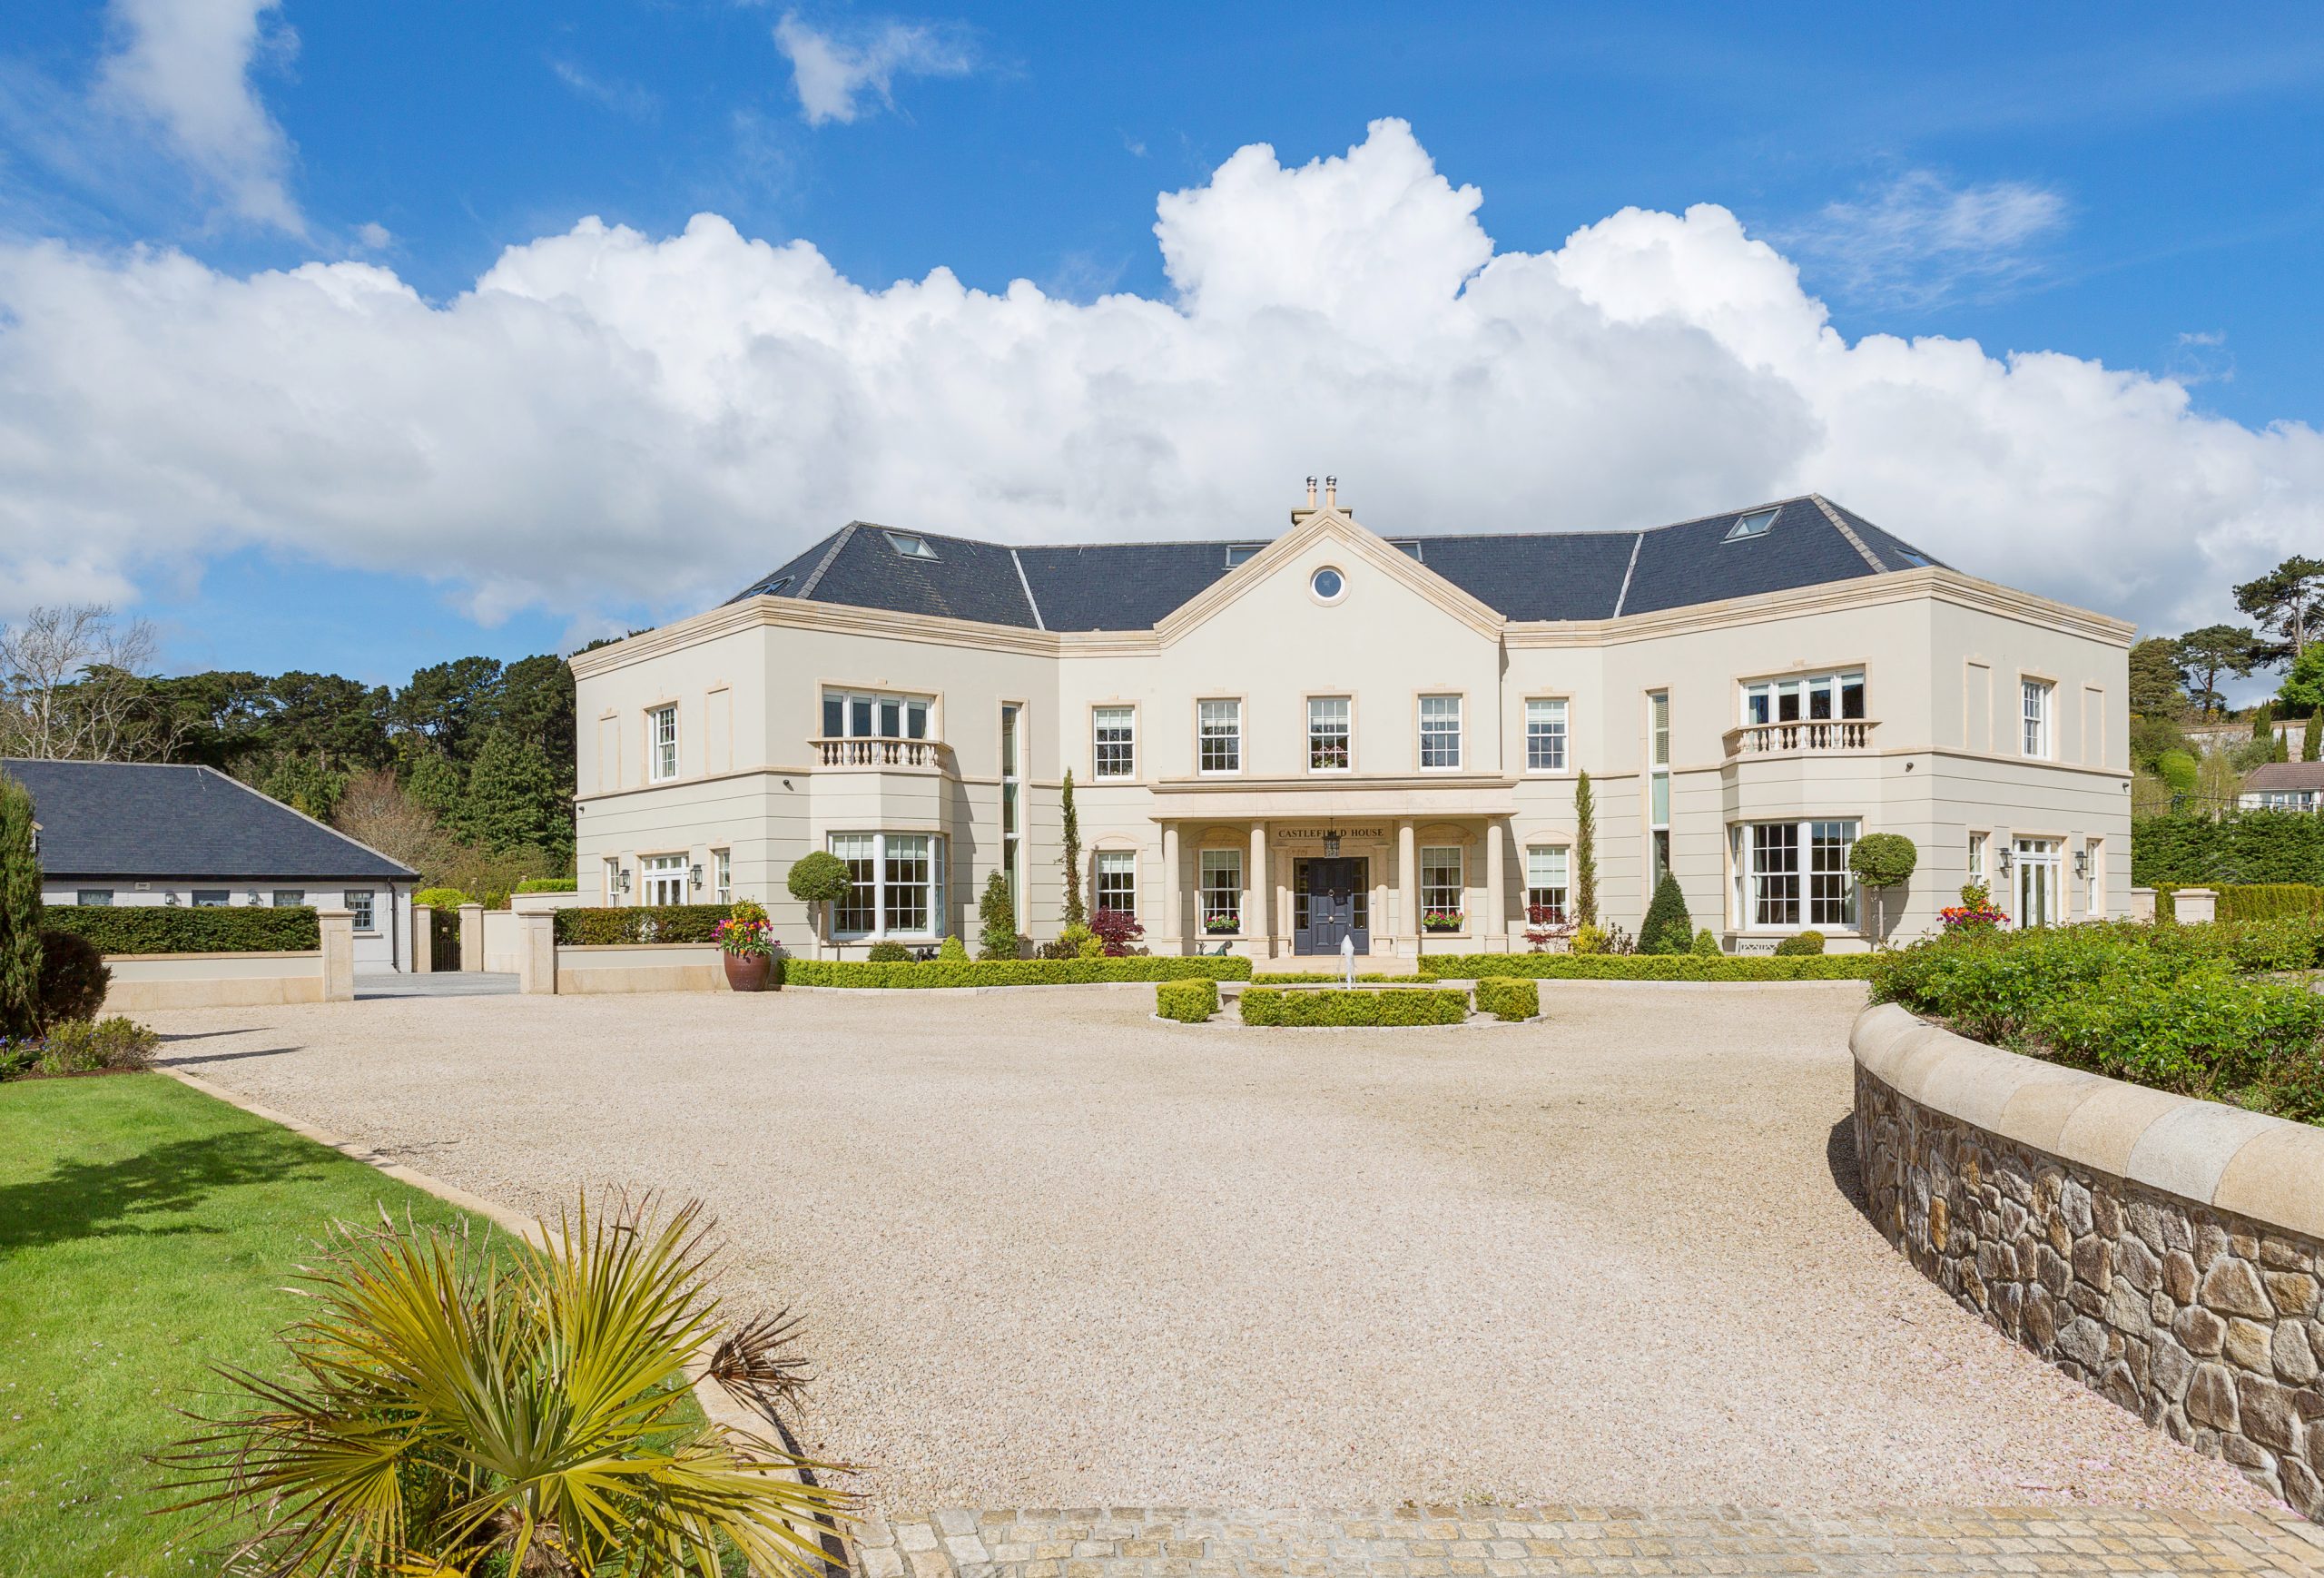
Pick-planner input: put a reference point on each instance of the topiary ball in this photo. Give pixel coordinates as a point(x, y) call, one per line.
point(73, 977)
point(889, 953)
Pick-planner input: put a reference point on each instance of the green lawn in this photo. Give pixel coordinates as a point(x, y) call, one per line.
point(146, 1231)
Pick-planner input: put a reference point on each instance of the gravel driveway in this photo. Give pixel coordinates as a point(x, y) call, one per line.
point(1055, 1253)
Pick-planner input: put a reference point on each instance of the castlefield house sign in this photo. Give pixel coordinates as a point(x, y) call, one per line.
point(1751, 693)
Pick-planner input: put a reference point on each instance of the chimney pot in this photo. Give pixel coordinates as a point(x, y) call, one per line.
point(1311, 493)
point(1331, 492)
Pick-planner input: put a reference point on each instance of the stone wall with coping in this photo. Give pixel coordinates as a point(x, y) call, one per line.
point(2165, 1252)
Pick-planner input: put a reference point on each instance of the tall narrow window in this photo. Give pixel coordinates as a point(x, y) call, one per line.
point(1657, 717)
point(1218, 745)
point(1440, 731)
point(2036, 695)
point(1222, 890)
point(1545, 735)
point(909, 877)
point(1116, 732)
point(1440, 896)
point(1545, 890)
point(1327, 733)
point(612, 869)
point(1118, 880)
point(723, 863)
point(1012, 840)
point(662, 743)
point(2094, 894)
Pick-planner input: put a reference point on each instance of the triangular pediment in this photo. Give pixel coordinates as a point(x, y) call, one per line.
point(1332, 526)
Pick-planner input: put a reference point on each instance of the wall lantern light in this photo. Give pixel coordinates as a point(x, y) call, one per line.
point(1331, 841)
point(2004, 863)
point(697, 876)
point(624, 879)
point(2082, 861)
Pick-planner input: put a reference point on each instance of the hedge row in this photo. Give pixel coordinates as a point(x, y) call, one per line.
point(2185, 1008)
point(1508, 997)
point(942, 973)
point(1646, 966)
point(642, 923)
point(173, 929)
point(1264, 1005)
point(1188, 1001)
point(2246, 847)
point(2269, 901)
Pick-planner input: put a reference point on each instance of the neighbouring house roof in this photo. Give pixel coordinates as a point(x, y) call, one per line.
point(132, 819)
point(2285, 775)
point(1523, 576)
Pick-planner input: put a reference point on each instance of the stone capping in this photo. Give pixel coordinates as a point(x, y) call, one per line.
point(2268, 1169)
point(238, 954)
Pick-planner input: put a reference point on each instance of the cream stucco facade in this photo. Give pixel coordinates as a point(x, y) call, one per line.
point(1389, 724)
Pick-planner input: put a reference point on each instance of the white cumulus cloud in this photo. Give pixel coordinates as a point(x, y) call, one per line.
point(608, 418)
point(833, 74)
point(185, 66)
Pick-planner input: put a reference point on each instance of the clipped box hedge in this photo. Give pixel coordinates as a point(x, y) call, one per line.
point(2269, 901)
point(1395, 1005)
point(1188, 1001)
point(1649, 966)
point(642, 923)
point(944, 972)
point(173, 929)
point(1509, 997)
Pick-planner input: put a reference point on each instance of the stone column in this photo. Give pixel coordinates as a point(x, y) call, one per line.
point(2194, 905)
point(1258, 885)
point(338, 928)
point(471, 938)
point(423, 939)
point(1171, 931)
point(1496, 906)
point(2141, 903)
point(537, 953)
point(1408, 889)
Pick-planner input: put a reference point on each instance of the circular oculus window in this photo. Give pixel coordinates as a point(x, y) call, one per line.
point(1328, 585)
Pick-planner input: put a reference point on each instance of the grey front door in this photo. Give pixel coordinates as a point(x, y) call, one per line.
point(1331, 899)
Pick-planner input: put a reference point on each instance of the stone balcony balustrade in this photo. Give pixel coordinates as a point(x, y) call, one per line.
point(1801, 737)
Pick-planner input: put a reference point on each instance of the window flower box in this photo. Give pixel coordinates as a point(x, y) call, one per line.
point(1440, 921)
point(1223, 926)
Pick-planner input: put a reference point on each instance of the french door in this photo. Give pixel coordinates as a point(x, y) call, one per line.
point(2039, 895)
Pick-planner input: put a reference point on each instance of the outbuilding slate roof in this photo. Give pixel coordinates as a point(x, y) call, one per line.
point(134, 819)
point(2285, 775)
point(1524, 575)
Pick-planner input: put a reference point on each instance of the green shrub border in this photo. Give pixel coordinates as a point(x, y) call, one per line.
point(1509, 997)
point(175, 929)
point(1647, 966)
point(1188, 1001)
point(952, 972)
point(641, 924)
point(1267, 1005)
point(2267, 901)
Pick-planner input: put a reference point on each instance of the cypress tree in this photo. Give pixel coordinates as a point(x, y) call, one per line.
point(19, 913)
point(1585, 854)
point(2311, 738)
point(1076, 912)
point(2263, 717)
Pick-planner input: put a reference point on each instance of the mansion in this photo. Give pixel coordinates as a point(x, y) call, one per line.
point(1276, 746)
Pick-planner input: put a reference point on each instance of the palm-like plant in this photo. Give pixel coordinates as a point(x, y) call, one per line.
point(512, 1408)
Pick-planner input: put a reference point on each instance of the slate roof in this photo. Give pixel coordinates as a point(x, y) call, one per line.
point(1524, 575)
point(2285, 775)
point(128, 819)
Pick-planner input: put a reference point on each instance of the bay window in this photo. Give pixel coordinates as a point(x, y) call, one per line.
point(895, 885)
point(1793, 875)
point(1804, 698)
point(875, 714)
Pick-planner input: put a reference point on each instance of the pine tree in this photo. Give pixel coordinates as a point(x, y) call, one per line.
point(514, 799)
point(1585, 854)
point(1076, 912)
point(19, 913)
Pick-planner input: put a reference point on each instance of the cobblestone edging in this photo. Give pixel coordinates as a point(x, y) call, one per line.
point(1497, 1541)
point(2097, 1223)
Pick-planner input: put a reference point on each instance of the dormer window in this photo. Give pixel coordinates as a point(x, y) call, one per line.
point(1755, 524)
point(909, 546)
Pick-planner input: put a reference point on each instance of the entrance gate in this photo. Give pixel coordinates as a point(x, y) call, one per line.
point(1331, 898)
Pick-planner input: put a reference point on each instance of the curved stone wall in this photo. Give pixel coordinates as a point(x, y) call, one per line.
point(2166, 1252)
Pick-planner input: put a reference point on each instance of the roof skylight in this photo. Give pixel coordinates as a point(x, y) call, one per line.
point(908, 545)
point(1238, 552)
point(1408, 545)
point(1755, 524)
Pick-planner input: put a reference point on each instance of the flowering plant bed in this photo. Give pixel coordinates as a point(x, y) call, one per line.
point(1646, 966)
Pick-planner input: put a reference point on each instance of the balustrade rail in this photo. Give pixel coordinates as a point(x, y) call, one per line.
point(857, 752)
point(1804, 736)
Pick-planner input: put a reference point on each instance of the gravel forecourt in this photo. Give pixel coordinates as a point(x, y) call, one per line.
point(1055, 1253)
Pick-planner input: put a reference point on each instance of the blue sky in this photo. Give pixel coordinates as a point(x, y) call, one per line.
point(2136, 187)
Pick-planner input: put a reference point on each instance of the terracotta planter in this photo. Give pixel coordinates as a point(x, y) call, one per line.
point(748, 971)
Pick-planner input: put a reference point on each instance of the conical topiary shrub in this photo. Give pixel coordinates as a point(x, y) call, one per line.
point(1668, 928)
